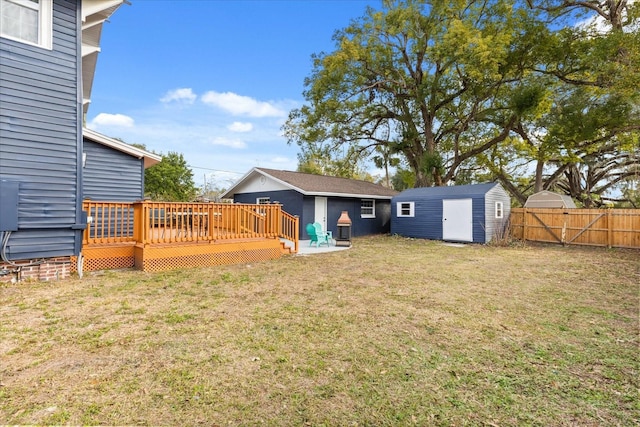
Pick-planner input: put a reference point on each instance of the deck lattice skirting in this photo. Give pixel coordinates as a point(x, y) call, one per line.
point(159, 258)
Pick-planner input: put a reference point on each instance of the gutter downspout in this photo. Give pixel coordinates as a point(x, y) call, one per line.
point(80, 222)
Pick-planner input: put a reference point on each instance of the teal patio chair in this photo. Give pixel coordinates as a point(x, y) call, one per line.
point(316, 235)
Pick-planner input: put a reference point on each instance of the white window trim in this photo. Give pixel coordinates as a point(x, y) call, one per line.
point(373, 209)
point(412, 209)
point(263, 200)
point(45, 26)
point(499, 210)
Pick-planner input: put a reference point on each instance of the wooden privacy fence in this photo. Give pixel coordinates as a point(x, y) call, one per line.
point(596, 227)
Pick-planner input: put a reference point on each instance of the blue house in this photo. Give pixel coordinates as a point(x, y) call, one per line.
point(465, 213)
point(318, 198)
point(107, 161)
point(47, 61)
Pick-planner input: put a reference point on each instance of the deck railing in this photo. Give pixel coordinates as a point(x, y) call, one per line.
point(108, 222)
point(166, 223)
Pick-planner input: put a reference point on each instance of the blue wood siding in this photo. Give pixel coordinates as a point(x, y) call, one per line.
point(360, 226)
point(111, 175)
point(428, 204)
point(295, 203)
point(478, 216)
point(292, 202)
point(40, 111)
point(426, 222)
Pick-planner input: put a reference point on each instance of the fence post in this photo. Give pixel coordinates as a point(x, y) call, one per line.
point(524, 224)
point(609, 228)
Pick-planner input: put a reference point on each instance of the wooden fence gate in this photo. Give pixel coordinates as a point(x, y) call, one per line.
point(596, 227)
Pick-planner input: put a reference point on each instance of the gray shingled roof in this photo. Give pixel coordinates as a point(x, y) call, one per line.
point(312, 184)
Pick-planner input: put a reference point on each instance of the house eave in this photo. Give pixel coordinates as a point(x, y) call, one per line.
point(349, 195)
point(256, 171)
point(94, 14)
point(148, 158)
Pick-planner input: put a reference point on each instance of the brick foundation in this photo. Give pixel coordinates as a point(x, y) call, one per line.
point(50, 269)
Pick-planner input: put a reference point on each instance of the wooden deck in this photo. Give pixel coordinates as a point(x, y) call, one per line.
point(155, 236)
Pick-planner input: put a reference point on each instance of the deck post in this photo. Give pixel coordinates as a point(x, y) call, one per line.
point(277, 220)
point(139, 222)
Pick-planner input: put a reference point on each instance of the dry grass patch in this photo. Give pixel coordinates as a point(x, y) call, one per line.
point(391, 332)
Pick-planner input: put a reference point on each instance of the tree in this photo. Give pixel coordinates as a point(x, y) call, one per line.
point(617, 13)
point(581, 133)
point(475, 90)
point(427, 81)
point(171, 180)
point(320, 159)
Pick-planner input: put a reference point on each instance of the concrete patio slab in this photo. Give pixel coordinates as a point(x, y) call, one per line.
point(305, 249)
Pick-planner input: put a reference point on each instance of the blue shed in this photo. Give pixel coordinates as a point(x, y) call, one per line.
point(464, 213)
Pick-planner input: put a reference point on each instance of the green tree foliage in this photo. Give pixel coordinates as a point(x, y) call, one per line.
point(582, 134)
point(427, 81)
point(475, 90)
point(171, 180)
point(319, 159)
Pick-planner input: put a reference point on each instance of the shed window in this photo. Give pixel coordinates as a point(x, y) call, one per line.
point(28, 21)
point(406, 209)
point(367, 208)
point(263, 200)
point(499, 210)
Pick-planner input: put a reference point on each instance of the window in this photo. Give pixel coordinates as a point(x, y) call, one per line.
point(28, 21)
point(499, 210)
point(367, 208)
point(263, 200)
point(405, 209)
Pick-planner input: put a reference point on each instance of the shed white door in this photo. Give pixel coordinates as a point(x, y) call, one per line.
point(457, 220)
point(320, 214)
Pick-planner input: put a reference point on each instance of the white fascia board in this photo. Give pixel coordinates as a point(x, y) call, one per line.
point(281, 182)
point(150, 159)
point(92, 7)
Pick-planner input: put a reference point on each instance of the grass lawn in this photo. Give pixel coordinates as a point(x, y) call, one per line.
point(392, 332)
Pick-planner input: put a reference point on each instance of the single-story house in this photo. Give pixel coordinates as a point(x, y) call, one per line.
point(464, 213)
point(318, 198)
point(549, 199)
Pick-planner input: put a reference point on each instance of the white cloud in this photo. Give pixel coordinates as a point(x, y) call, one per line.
point(182, 95)
point(240, 127)
point(242, 105)
point(228, 142)
point(105, 119)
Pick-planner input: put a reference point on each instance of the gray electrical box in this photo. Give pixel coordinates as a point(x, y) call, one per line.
point(9, 205)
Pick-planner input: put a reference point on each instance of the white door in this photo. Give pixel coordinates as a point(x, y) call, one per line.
point(320, 214)
point(457, 220)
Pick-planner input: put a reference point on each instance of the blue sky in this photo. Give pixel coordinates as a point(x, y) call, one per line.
point(212, 79)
